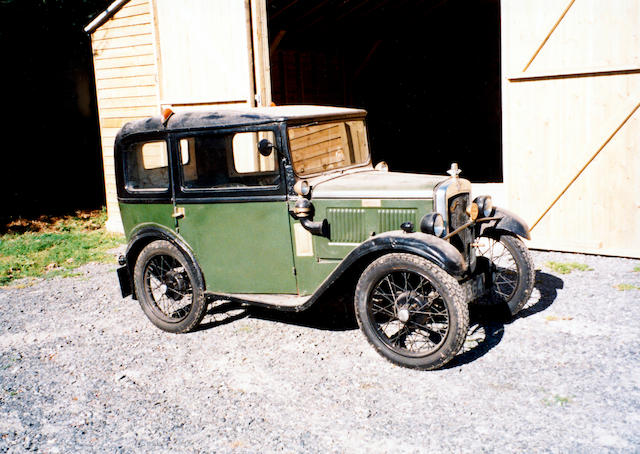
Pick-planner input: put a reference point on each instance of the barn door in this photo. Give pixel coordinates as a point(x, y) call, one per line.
point(571, 98)
point(212, 53)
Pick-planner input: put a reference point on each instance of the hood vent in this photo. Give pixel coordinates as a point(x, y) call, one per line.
point(390, 219)
point(354, 225)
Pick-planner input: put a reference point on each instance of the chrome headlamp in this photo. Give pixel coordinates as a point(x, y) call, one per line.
point(433, 224)
point(485, 204)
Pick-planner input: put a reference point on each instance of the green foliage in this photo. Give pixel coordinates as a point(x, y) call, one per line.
point(57, 249)
point(557, 400)
point(625, 287)
point(567, 267)
point(636, 269)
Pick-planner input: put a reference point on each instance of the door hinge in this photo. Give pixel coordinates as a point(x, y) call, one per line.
point(295, 273)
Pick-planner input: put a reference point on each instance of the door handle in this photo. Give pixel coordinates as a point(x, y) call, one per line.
point(178, 212)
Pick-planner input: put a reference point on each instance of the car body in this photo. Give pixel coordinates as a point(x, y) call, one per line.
point(274, 206)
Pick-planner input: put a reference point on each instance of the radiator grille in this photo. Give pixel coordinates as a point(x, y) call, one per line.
point(457, 218)
point(458, 211)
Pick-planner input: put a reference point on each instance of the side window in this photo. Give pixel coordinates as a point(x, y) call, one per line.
point(146, 166)
point(222, 161)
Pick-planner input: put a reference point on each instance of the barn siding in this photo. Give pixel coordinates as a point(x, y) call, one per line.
point(126, 72)
point(560, 105)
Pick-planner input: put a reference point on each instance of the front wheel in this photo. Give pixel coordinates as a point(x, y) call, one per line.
point(511, 271)
point(411, 311)
point(168, 288)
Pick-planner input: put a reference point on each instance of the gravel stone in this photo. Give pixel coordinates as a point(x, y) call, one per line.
point(83, 370)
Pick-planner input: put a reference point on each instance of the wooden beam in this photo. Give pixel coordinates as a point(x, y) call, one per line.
point(586, 165)
point(366, 60)
point(564, 13)
point(276, 42)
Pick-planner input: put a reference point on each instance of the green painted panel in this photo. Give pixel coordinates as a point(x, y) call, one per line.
point(136, 215)
point(351, 224)
point(242, 247)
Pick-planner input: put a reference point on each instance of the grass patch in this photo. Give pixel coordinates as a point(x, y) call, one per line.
point(49, 247)
point(625, 287)
point(557, 400)
point(567, 267)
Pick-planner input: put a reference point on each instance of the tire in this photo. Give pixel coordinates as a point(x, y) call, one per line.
point(169, 288)
point(411, 311)
point(510, 267)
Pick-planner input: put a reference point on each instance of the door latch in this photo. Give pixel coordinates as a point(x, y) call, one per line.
point(178, 212)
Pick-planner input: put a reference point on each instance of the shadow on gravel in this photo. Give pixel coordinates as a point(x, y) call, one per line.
point(332, 312)
point(486, 327)
point(221, 313)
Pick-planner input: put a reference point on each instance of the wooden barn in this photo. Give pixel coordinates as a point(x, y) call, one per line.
point(538, 98)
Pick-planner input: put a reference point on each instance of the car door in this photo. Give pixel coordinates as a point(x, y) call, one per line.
point(232, 210)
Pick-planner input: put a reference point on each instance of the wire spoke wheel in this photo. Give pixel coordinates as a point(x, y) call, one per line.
point(504, 269)
point(411, 311)
point(409, 314)
point(510, 271)
point(168, 287)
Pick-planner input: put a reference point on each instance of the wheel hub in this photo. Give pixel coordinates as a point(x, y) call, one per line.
point(407, 302)
point(403, 315)
point(174, 285)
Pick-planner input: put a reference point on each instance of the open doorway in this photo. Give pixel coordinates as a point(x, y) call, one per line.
point(427, 71)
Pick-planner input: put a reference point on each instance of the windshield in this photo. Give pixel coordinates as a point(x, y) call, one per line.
point(320, 147)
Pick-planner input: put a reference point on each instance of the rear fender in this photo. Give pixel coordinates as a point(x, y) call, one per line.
point(152, 232)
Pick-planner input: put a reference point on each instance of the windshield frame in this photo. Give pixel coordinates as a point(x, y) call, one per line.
point(310, 122)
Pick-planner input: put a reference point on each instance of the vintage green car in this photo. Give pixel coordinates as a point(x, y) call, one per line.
point(274, 206)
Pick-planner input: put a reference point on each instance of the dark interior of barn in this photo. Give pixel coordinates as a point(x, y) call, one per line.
point(428, 73)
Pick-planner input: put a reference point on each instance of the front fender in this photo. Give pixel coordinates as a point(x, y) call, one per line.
point(507, 221)
point(432, 248)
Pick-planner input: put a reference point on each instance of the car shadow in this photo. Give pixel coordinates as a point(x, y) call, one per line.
point(221, 312)
point(487, 325)
point(333, 312)
point(330, 312)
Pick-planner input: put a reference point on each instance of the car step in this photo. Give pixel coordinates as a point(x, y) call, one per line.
point(281, 301)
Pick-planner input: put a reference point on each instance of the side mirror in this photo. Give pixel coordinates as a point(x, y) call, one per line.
point(265, 148)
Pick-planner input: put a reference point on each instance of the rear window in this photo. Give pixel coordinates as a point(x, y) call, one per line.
point(146, 166)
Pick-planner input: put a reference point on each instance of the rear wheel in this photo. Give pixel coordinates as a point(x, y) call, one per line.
point(411, 311)
point(510, 267)
point(168, 288)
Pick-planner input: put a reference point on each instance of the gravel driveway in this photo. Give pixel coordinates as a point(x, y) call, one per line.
point(82, 370)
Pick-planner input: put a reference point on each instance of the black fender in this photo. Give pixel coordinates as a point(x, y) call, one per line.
point(432, 248)
point(506, 222)
point(148, 233)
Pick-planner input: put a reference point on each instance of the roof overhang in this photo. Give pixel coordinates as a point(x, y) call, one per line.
point(105, 15)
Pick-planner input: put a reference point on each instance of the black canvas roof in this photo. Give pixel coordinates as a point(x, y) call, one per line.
point(239, 117)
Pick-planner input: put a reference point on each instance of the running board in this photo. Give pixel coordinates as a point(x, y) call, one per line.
point(281, 301)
